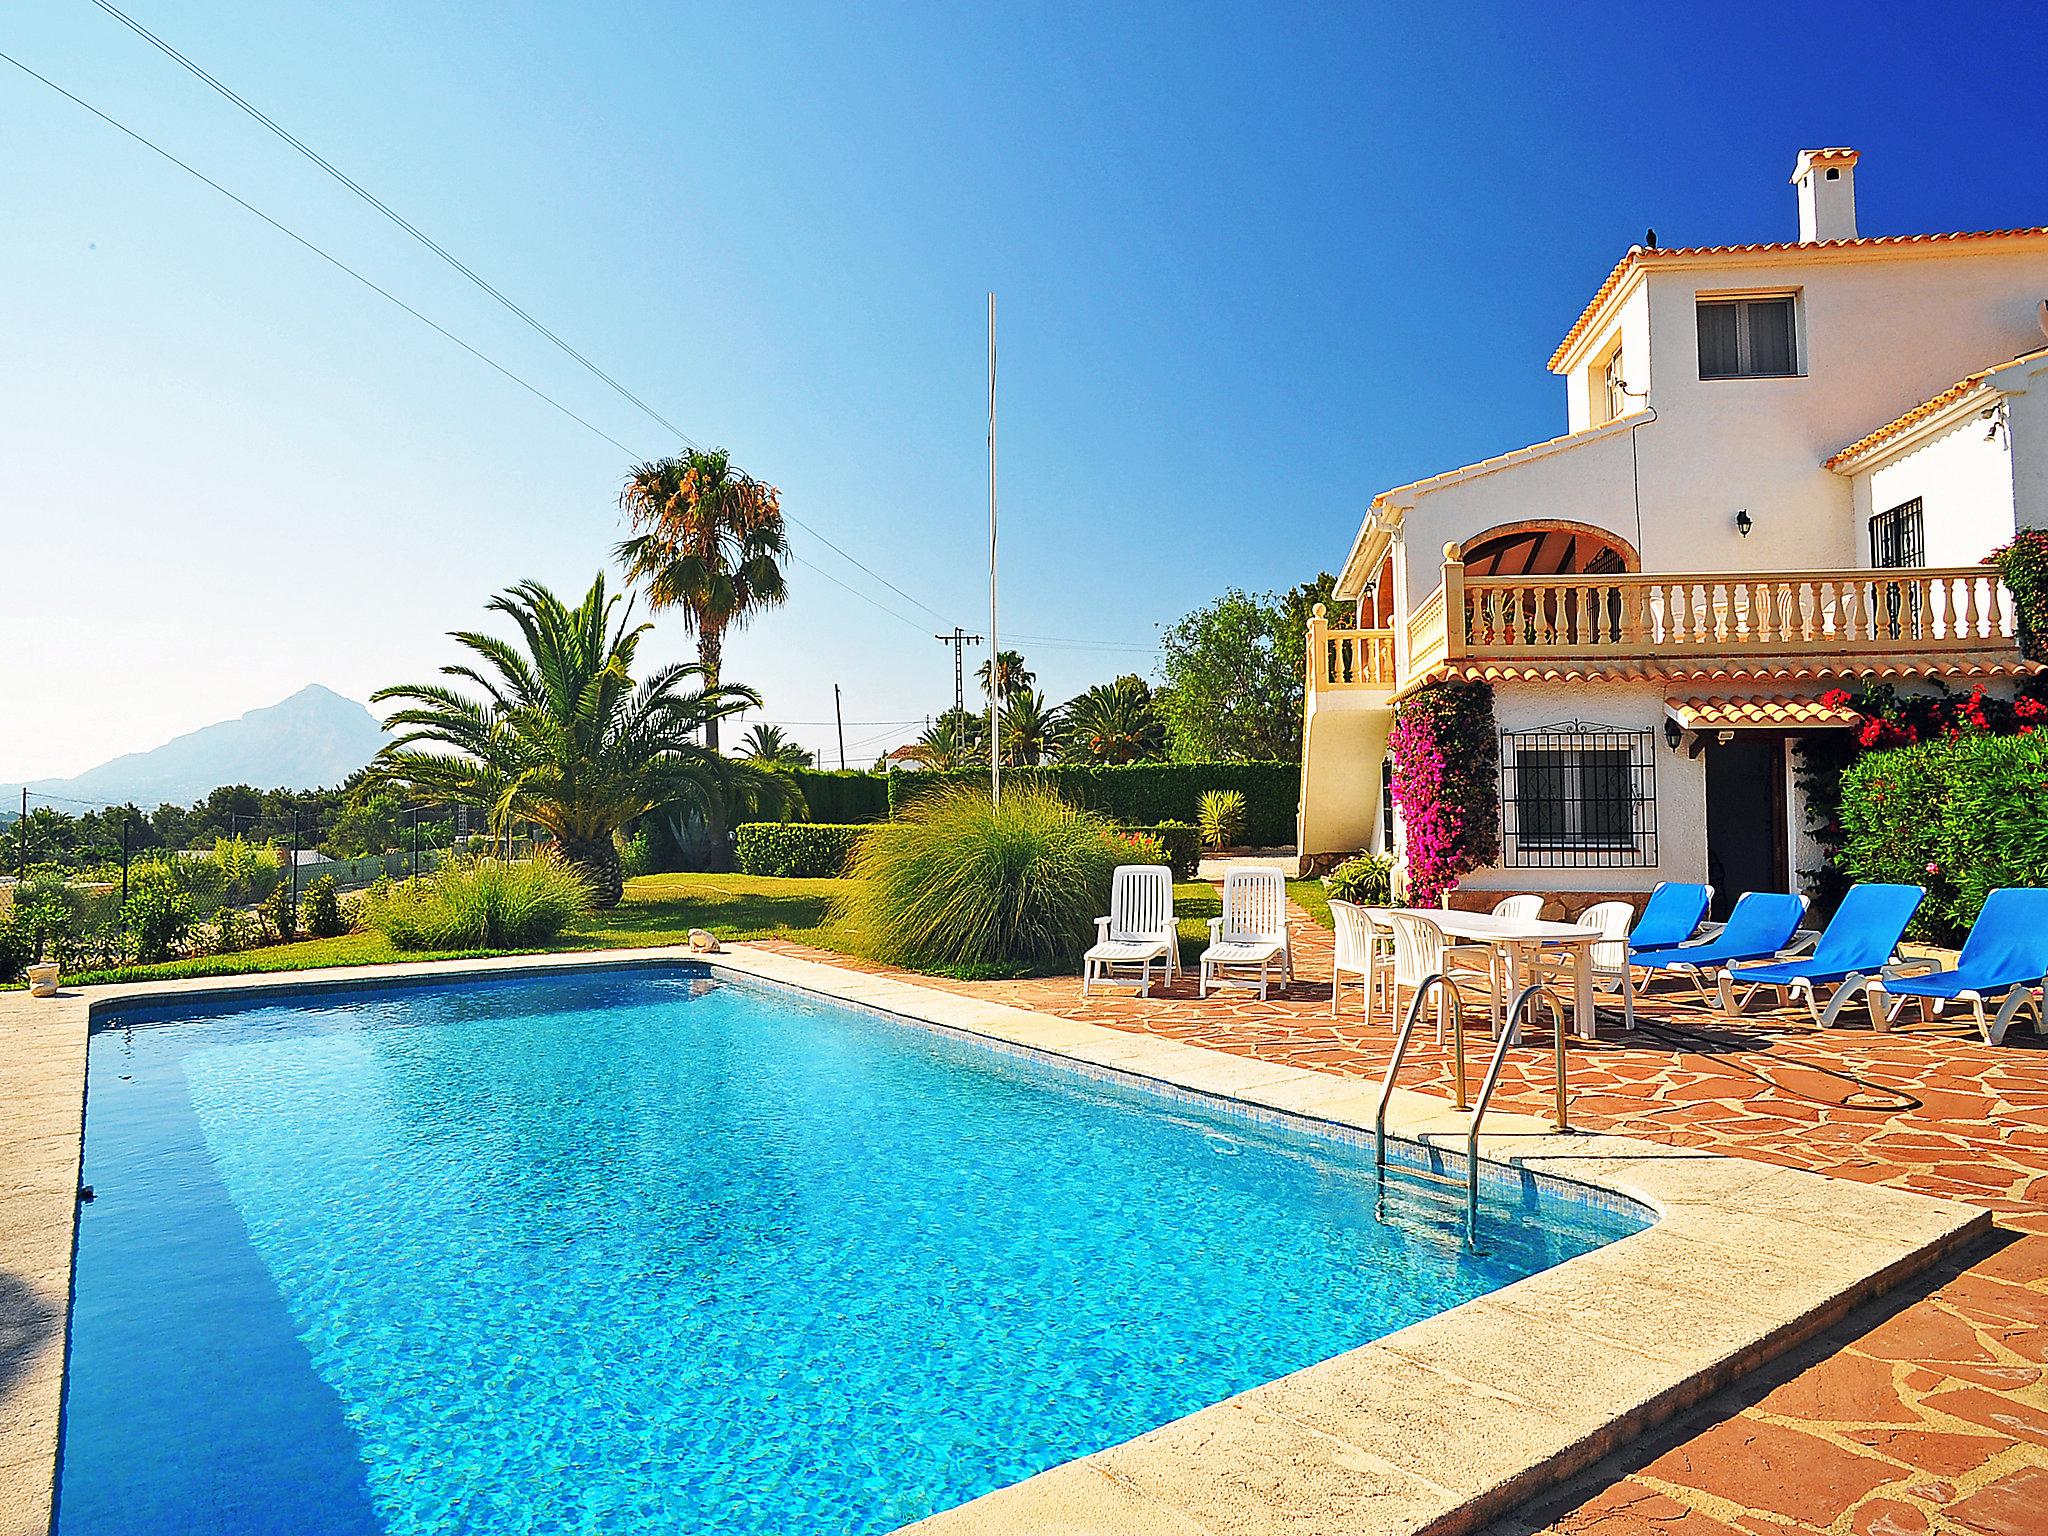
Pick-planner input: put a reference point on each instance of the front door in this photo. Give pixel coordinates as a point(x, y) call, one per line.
point(1745, 818)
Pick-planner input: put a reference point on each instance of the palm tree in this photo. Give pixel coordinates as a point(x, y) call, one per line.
point(767, 746)
point(707, 539)
point(1114, 723)
point(1011, 673)
point(1030, 730)
point(955, 740)
point(563, 737)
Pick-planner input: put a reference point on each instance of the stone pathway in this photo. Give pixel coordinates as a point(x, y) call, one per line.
point(1926, 1416)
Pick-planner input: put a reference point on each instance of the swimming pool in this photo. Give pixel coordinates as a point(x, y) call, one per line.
point(636, 1249)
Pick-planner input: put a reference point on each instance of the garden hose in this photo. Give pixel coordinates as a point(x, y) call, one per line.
point(1877, 1099)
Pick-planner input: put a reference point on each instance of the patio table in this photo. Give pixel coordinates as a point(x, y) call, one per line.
point(1519, 938)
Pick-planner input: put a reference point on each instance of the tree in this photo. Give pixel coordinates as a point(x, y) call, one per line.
point(1113, 722)
point(563, 736)
point(1011, 673)
point(1299, 605)
point(1232, 691)
point(768, 747)
point(707, 540)
point(957, 739)
point(1030, 730)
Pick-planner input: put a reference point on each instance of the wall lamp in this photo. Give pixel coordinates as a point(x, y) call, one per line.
point(1743, 521)
point(1674, 733)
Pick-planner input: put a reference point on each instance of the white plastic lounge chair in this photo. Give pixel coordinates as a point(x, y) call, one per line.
point(1252, 932)
point(1140, 930)
point(1365, 949)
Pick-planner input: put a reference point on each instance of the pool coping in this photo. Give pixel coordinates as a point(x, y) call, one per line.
point(1439, 1427)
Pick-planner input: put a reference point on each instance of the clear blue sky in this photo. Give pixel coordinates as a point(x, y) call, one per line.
point(1253, 264)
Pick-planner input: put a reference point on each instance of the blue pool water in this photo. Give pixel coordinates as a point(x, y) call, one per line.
point(634, 1251)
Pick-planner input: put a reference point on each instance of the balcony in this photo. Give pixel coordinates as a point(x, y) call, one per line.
point(1923, 619)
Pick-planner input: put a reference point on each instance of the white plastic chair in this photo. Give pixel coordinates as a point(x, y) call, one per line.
point(1251, 932)
point(1365, 949)
point(1421, 951)
point(1523, 909)
point(1139, 931)
point(1612, 921)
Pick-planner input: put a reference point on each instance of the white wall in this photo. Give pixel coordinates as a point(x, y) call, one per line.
point(1681, 788)
point(2027, 419)
point(1964, 483)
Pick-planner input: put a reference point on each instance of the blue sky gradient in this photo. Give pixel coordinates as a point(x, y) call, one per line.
point(1253, 264)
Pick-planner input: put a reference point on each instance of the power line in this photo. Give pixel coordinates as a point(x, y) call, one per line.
point(228, 93)
point(332, 260)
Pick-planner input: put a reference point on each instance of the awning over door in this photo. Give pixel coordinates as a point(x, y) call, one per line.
point(1759, 713)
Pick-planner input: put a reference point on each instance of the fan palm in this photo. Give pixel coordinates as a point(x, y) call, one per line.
point(1012, 675)
point(1114, 723)
point(563, 737)
point(1029, 729)
point(768, 747)
point(707, 540)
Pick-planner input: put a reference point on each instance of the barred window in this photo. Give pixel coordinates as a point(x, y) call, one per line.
point(1578, 795)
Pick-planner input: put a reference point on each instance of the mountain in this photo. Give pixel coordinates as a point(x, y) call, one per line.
point(311, 740)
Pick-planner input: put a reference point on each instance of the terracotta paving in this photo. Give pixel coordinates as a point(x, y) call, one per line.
point(1922, 1415)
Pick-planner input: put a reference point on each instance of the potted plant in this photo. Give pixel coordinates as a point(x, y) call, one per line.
point(42, 978)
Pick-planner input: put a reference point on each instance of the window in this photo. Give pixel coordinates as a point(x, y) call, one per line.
point(1899, 537)
point(1615, 385)
point(1387, 804)
point(1748, 338)
point(1578, 795)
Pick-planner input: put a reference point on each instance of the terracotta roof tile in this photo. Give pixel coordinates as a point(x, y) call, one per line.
point(1757, 710)
point(1643, 255)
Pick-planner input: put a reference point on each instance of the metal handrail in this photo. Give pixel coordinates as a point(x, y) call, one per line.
point(1379, 1118)
point(1491, 1080)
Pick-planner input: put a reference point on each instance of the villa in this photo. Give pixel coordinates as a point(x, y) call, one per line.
point(1665, 597)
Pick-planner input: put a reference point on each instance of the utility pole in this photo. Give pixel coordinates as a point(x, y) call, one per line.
point(24, 835)
point(293, 917)
point(127, 826)
point(995, 654)
point(959, 640)
point(839, 719)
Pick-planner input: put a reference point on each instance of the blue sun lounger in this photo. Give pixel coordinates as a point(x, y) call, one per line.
point(1671, 915)
point(1860, 941)
point(1760, 928)
point(2005, 956)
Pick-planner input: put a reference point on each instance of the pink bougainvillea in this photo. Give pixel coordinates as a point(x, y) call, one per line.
point(1446, 783)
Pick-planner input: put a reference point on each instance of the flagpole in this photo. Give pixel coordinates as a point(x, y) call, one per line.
point(995, 649)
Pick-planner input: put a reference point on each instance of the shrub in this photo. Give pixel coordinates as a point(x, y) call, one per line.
point(1961, 817)
point(1181, 843)
point(1220, 814)
point(233, 931)
point(840, 798)
point(2023, 566)
point(1132, 845)
point(320, 909)
point(1366, 880)
point(1139, 794)
point(481, 903)
point(159, 912)
point(280, 922)
point(1447, 783)
point(636, 854)
point(44, 917)
point(15, 952)
point(794, 849)
point(967, 887)
point(249, 872)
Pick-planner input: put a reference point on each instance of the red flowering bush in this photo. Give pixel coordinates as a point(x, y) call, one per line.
point(1446, 756)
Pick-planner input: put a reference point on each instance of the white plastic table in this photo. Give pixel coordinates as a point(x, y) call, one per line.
point(1520, 937)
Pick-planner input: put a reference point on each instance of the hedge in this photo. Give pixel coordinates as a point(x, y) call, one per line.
point(839, 798)
point(798, 849)
point(1961, 817)
point(1183, 845)
point(1144, 794)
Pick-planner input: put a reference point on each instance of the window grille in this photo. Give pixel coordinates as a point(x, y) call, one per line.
point(1578, 795)
point(1387, 805)
point(1748, 338)
point(1898, 539)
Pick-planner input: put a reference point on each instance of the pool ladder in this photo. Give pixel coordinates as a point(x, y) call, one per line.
point(1451, 1000)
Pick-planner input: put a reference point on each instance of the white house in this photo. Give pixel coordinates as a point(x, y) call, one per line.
point(1661, 595)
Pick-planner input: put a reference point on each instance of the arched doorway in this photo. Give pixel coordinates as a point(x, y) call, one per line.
point(1549, 547)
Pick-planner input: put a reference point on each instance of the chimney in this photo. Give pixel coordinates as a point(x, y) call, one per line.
point(1826, 179)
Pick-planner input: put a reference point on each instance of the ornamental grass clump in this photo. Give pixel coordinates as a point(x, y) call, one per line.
point(481, 903)
point(963, 886)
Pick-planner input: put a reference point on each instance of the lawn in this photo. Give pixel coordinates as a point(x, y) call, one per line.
point(658, 910)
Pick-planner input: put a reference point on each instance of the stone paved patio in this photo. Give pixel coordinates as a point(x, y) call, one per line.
point(1927, 1414)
